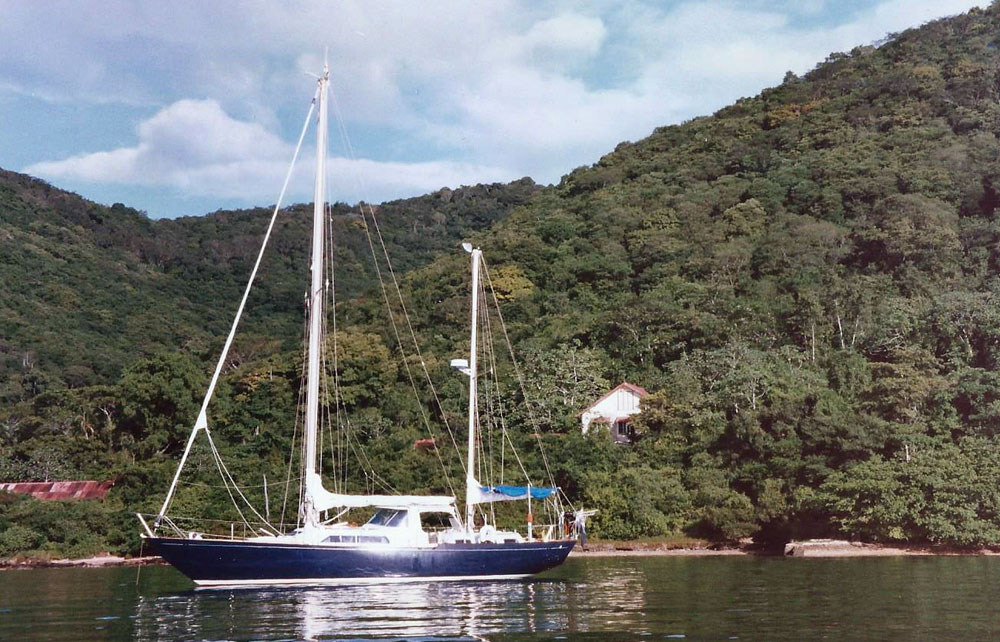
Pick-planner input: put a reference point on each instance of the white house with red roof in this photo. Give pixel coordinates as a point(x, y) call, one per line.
point(614, 409)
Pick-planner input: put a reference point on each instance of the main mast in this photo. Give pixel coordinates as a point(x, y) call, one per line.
point(470, 480)
point(309, 513)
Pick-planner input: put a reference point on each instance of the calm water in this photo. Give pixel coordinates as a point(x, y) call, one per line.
point(633, 598)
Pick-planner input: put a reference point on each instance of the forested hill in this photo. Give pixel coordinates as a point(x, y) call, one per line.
point(807, 281)
point(86, 290)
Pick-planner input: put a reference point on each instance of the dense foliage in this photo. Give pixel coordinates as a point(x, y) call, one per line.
point(806, 280)
point(87, 289)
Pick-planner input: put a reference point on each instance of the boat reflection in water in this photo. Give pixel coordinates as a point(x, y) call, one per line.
point(438, 611)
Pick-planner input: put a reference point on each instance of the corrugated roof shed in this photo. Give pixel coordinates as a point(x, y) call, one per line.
point(60, 489)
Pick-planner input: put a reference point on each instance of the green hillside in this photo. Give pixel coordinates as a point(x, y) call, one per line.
point(806, 280)
point(86, 290)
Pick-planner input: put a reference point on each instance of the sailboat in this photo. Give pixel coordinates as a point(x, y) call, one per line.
point(392, 545)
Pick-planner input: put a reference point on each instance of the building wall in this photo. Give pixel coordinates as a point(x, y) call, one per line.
point(621, 404)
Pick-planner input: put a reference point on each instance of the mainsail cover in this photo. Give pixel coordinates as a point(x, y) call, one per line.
point(488, 494)
point(325, 500)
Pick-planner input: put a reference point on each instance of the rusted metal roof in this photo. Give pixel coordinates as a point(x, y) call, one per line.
point(60, 489)
point(425, 444)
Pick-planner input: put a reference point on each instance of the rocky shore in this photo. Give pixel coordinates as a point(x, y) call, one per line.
point(99, 561)
point(844, 548)
point(805, 548)
point(687, 547)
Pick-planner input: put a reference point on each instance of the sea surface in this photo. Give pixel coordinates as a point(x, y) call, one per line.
point(616, 598)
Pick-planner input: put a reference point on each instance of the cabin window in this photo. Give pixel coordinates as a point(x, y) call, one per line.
point(358, 539)
point(340, 539)
point(388, 517)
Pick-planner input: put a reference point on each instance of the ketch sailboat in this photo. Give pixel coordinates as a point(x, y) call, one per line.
point(393, 544)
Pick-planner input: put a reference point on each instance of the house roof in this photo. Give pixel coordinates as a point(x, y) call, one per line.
point(60, 489)
point(631, 387)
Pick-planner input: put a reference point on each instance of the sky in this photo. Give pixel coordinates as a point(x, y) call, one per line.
point(185, 107)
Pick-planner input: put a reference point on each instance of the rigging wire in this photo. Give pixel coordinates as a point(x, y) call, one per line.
point(357, 447)
point(245, 486)
point(399, 341)
point(486, 449)
point(385, 296)
point(338, 454)
point(236, 487)
point(413, 338)
point(206, 520)
point(295, 429)
point(520, 379)
point(218, 464)
point(506, 438)
point(202, 420)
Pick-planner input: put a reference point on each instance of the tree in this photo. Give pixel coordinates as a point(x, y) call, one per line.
point(160, 397)
point(560, 382)
point(365, 367)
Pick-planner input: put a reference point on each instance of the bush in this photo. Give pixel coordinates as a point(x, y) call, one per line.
point(637, 502)
point(19, 539)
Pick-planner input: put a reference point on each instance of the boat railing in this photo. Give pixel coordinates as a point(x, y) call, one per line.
point(211, 528)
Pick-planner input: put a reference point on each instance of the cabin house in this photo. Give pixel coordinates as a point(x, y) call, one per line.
point(615, 408)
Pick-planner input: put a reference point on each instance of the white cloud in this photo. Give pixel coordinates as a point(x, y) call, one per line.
point(191, 145)
point(560, 42)
point(712, 52)
point(476, 90)
point(194, 147)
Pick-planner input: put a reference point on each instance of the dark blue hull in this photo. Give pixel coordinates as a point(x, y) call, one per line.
point(220, 562)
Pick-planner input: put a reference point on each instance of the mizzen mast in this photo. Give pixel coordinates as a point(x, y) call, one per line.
point(471, 485)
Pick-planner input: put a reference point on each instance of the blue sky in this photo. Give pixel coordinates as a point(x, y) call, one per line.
point(185, 107)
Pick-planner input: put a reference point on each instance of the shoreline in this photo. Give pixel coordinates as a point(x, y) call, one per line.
point(98, 561)
point(654, 552)
point(808, 548)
